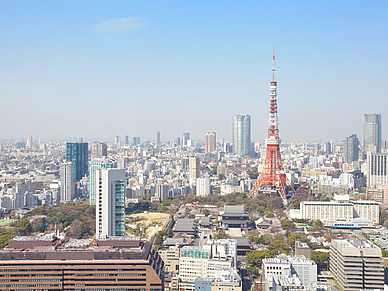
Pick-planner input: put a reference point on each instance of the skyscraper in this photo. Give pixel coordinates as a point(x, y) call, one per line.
point(77, 153)
point(94, 166)
point(110, 206)
point(377, 172)
point(117, 140)
point(193, 170)
point(186, 137)
point(372, 133)
point(67, 193)
point(99, 150)
point(126, 139)
point(136, 140)
point(210, 142)
point(29, 141)
point(158, 139)
point(241, 135)
point(350, 148)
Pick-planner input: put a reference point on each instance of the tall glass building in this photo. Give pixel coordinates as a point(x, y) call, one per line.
point(77, 153)
point(94, 166)
point(241, 135)
point(350, 148)
point(372, 133)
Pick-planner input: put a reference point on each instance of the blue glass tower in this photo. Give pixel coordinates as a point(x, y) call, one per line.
point(77, 153)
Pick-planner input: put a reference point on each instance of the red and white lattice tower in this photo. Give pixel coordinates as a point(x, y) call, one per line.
point(273, 174)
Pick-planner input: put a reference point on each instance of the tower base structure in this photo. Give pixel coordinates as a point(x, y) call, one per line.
point(273, 174)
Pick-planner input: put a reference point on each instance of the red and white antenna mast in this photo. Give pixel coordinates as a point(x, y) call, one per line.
point(273, 174)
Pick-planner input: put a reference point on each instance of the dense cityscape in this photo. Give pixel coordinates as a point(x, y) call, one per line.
point(200, 215)
point(146, 147)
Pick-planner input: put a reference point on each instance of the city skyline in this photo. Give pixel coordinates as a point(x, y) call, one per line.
point(156, 65)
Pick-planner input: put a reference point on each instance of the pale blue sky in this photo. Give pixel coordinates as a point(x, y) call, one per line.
point(96, 69)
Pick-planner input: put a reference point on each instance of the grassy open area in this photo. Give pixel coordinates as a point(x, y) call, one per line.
point(4, 222)
point(147, 220)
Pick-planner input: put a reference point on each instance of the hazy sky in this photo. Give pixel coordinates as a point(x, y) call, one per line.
point(96, 69)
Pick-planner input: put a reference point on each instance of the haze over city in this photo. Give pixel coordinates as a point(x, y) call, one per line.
point(97, 70)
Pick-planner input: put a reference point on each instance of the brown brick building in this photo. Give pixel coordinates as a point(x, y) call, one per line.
point(42, 263)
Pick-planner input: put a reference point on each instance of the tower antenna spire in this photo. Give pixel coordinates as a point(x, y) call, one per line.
point(273, 65)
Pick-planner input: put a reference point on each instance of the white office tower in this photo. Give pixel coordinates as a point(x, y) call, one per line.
point(377, 169)
point(203, 186)
point(241, 135)
point(67, 184)
point(29, 141)
point(19, 194)
point(110, 207)
point(95, 165)
point(194, 170)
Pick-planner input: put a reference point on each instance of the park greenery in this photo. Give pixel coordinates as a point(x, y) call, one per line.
point(76, 220)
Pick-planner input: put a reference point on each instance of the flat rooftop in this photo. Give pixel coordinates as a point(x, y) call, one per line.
point(54, 248)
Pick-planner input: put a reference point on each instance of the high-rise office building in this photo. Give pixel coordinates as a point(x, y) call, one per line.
point(356, 265)
point(194, 169)
point(241, 135)
point(117, 140)
point(372, 133)
point(77, 153)
point(377, 172)
point(94, 166)
point(110, 206)
point(210, 143)
point(136, 140)
point(19, 194)
point(99, 150)
point(186, 137)
point(177, 141)
point(29, 141)
point(350, 148)
point(67, 193)
point(158, 139)
point(126, 139)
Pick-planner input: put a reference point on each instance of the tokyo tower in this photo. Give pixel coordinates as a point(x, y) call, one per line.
point(273, 174)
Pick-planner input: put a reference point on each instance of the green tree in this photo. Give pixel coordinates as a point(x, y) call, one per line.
point(221, 235)
point(278, 246)
point(24, 226)
point(254, 258)
point(321, 259)
point(318, 225)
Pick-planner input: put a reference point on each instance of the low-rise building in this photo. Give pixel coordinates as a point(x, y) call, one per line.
point(52, 263)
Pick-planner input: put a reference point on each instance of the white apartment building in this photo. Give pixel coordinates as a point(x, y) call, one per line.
point(67, 184)
point(334, 210)
point(110, 202)
point(325, 210)
point(367, 209)
point(203, 187)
